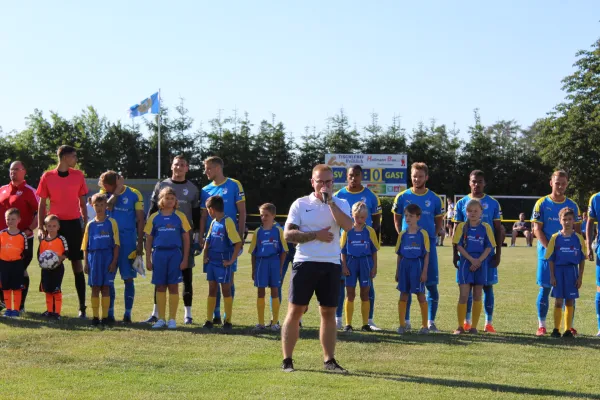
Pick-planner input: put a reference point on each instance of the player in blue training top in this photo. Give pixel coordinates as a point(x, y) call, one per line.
point(100, 246)
point(566, 258)
point(432, 218)
point(353, 193)
point(359, 263)
point(126, 206)
point(590, 234)
point(474, 241)
point(545, 224)
point(234, 200)
point(221, 250)
point(167, 252)
point(269, 251)
point(413, 248)
point(492, 215)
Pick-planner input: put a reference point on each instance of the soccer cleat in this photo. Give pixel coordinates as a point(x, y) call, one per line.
point(574, 332)
point(22, 310)
point(348, 328)
point(45, 314)
point(568, 335)
point(259, 328)
point(366, 328)
point(300, 324)
point(459, 331)
point(82, 314)
point(208, 325)
point(512, 245)
point(555, 333)
point(401, 330)
point(467, 326)
point(433, 328)
point(2, 305)
point(110, 320)
point(172, 324)
point(16, 314)
point(159, 324)
point(188, 321)
point(598, 334)
point(541, 331)
point(489, 328)
point(227, 327)
point(287, 365)
point(423, 331)
point(95, 321)
point(332, 366)
point(217, 321)
point(127, 319)
point(338, 323)
point(275, 327)
point(474, 331)
point(55, 316)
point(373, 326)
point(407, 327)
point(152, 320)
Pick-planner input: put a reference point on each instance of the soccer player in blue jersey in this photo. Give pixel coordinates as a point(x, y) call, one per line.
point(269, 251)
point(234, 200)
point(412, 247)
point(492, 215)
point(353, 193)
point(590, 233)
point(545, 224)
point(100, 246)
point(566, 258)
point(221, 250)
point(474, 241)
point(167, 252)
point(359, 263)
point(126, 206)
point(432, 215)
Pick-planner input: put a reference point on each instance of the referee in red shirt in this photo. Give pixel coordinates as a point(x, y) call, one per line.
point(18, 194)
point(66, 189)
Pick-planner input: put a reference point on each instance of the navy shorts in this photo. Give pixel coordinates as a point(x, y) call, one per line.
point(73, 233)
point(51, 281)
point(312, 277)
point(468, 277)
point(409, 276)
point(12, 274)
point(166, 265)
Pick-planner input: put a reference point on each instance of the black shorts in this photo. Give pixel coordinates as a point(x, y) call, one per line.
point(52, 279)
point(521, 233)
point(321, 278)
point(12, 274)
point(28, 254)
point(73, 233)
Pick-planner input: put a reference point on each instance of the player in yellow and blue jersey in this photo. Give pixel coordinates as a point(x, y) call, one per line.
point(474, 241)
point(359, 263)
point(167, 252)
point(545, 224)
point(234, 206)
point(492, 215)
point(269, 251)
point(566, 258)
point(100, 246)
point(353, 193)
point(221, 249)
point(432, 218)
point(590, 234)
point(413, 248)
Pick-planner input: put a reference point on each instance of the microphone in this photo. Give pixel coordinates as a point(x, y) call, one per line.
point(325, 197)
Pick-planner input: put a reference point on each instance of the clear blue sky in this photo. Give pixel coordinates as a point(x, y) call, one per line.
point(299, 60)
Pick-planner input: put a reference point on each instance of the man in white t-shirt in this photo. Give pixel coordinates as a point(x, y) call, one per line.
point(314, 223)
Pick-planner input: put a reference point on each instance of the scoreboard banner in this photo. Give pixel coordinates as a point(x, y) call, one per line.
point(384, 174)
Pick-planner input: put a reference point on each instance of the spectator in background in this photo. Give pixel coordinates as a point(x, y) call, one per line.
point(523, 228)
point(449, 218)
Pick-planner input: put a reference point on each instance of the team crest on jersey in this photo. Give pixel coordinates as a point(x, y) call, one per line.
point(185, 191)
point(427, 203)
point(19, 192)
point(224, 191)
point(125, 200)
point(363, 199)
point(485, 206)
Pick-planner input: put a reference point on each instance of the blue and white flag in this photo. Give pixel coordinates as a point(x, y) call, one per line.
point(150, 105)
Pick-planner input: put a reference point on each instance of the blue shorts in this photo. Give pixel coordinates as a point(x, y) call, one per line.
point(566, 277)
point(166, 266)
point(597, 271)
point(360, 270)
point(268, 272)
point(98, 262)
point(234, 265)
point(128, 241)
point(543, 273)
point(409, 276)
point(215, 271)
point(432, 268)
point(466, 276)
point(491, 273)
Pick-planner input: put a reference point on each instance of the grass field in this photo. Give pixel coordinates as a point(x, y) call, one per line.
point(70, 359)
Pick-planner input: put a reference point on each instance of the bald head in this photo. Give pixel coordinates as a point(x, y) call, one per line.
point(17, 172)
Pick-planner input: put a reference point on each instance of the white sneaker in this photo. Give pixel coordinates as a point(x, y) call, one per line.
point(172, 324)
point(159, 324)
point(258, 328)
point(275, 327)
point(338, 323)
point(401, 330)
point(598, 334)
point(373, 326)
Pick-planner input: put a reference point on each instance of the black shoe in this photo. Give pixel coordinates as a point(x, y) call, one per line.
point(568, 334)
point(95, 321)
point(55, 316)
point(217, 321)
point(82, 314)
point(287, 365)
point(127, 319)
point(152, 319)
point(2, 305)
point(208, 325)
point(366, 328)
point(333, 366)
point(555, 333)
point(348, 328)
point(106, 322)
point(45, 314)
point(111, 319)
point(227, 327)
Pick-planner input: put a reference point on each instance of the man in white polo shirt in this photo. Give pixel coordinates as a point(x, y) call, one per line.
point(314, 223)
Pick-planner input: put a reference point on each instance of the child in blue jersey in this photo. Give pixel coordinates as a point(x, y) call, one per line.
point(565, 255)
point(359, 263)
point(221, 249)
point(412, 248)
point(269, 251)
point(474, 241)
point(167, 251)
point(590, 234)
point(100, 245)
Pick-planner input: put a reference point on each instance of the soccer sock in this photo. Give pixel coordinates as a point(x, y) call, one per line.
point(461, 312)
point(260, 308)
point(598, 309)
point(57, 302)
point(105, 306)
point(217, 305)
point(468, 316)
point(111, 296)
point(155, 308)
point(542, 303)
point(25, 292)
point(49, 302)
point(95, 306)
point(7, 299)
point(228, 307)
point(424, 310)
point(371, 300)
point(488, 299)
point(173, 304)
point(80, 287)
point(161, 302)
point(557, 317)
point(349, 308)
point(17, 298)
point(129, 294)
point(210, 308)
point(341, 300)
point(188, 289)
point(569, 317)
point(433, 298)
point(402, 306)
point(187, 311)
point(275, 305)
point(365, 306)
point(1, 295)
point(408, 303)
point(477, 306)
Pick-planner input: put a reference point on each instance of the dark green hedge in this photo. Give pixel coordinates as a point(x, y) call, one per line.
point(388, 232)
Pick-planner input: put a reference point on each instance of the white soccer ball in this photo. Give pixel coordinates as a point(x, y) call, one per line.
point(48, 260)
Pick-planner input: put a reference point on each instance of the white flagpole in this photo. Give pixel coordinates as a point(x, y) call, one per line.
point(158, 123)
